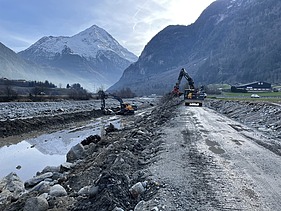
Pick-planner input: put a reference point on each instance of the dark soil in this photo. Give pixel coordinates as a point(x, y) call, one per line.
point(20, 126)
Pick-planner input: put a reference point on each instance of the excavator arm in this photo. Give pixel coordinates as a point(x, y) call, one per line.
point(184, 74)
point(125, 108)
point(190, 81)
point(103, 96)
point(191, 95)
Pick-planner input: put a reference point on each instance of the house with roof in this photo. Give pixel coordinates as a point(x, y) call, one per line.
point(258, 86)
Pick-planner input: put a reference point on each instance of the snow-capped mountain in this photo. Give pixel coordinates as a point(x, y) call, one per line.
point(92, 54)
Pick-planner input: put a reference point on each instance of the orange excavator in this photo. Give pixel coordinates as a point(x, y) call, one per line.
point(125, 108)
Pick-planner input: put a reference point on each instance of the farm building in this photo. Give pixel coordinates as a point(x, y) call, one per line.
point(257, 86)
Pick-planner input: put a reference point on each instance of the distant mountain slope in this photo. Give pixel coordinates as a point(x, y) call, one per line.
point(93, 55)
point(233, 41)
point(13, 66)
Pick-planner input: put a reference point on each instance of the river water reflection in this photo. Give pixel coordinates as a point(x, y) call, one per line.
point(32, 155)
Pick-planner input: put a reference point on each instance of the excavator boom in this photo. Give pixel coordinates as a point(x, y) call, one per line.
point(191, 94)
point(184, 74)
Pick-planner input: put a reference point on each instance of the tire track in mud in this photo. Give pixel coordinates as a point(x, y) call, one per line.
point(210, 190)
point(251, 170)
point(195, 171)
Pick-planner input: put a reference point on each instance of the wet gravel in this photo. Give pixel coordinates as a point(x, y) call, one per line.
point(22, 117)
point(179, 173)
point(111, 166)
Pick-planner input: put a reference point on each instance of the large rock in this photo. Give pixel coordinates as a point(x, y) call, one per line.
point(51, 169)
point(75, 153)
point(57, 190)
point(84, 190)
point(66, 166)
point(146, 205)
point(11, 185)
point(137, 189)
point(35, 180)
point(36, 204)
point(42, 187)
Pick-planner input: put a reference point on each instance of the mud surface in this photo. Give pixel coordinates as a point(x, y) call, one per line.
point(19, 118)
point(186, 158)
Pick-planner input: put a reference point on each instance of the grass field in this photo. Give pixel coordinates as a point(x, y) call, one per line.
point(264, 96)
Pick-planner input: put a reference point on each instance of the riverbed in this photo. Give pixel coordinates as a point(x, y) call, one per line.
point(31, 155)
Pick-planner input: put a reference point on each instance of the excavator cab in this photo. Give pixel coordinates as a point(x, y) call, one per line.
point(126, 109)
point(193, 96)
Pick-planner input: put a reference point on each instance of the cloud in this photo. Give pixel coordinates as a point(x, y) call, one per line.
point(132, 23)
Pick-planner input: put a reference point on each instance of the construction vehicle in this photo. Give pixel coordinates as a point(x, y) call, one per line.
point(125, 108)
point(191, 94)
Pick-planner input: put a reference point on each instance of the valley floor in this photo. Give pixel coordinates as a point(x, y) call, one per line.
point(185, 158)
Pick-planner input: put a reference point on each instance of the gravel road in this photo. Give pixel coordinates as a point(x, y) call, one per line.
point(211, 162)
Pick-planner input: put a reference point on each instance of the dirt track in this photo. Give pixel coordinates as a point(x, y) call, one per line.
point(210, 163)
point(191, 158)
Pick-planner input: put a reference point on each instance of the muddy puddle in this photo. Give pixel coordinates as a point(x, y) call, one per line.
point(32, 155)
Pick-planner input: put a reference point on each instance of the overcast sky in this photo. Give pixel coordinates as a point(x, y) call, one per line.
point(131, 22)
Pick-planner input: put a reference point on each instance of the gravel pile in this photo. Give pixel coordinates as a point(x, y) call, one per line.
point(263, 116)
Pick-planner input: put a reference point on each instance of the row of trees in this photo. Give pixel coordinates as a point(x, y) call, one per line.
point(36, 91)
point(24, 83)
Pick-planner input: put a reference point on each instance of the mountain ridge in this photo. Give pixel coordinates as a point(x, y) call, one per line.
point(86, 43)
point(232, 41)
point(92, 56)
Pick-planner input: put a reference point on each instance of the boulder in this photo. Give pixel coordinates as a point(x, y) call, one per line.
point(137, 189)
point(11, 186)
point(91, 139)
point(93, 191)
point(36, 203)
point(57, 190)
point(146, 205)
point(117, 209)
point(84, 191)
point(75, 153)
point(66, 166)
point(42, 187)
point(51, 169)
point(35, 180)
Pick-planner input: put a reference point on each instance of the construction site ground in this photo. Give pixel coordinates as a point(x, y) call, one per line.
point(184, 157)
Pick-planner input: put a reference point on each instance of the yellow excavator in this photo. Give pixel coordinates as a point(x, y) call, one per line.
point(192, 95)
point(125, 108)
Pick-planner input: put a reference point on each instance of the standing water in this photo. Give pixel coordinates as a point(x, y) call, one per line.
point(33, 155)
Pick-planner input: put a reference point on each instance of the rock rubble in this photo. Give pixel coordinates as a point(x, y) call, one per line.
point(107, 174)
point(265, 117)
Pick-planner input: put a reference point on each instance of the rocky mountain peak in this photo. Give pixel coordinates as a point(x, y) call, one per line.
point(92, 57)
point(86, 44)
